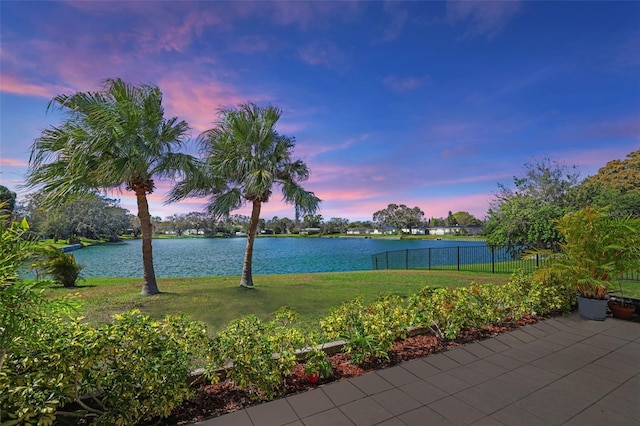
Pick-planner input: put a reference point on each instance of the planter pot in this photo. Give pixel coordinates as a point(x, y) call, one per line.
point(618, 310)
point(313, 378)
point(592, 309)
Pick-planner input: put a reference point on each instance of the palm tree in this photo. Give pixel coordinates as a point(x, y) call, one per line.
point(112, 139)
point(243, 159)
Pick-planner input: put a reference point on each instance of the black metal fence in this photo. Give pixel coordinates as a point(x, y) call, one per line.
point(503, 259)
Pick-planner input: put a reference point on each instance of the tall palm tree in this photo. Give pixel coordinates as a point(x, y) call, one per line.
point(244, 158)
point(116, 138)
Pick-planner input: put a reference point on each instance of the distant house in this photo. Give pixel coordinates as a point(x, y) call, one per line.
point(360, 231)
point(414, 231)
point(456, 230)
point(310, 231)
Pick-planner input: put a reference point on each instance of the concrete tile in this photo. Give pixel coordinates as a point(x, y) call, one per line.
point(600, 414)
point(371, 383)
point(420, 368)
point(616, 376)
point(423, 391)
point(365, 412)
point(441, 362)
point(333, 417)
point(469, 374)
point(554, 407)
point(237, 418)
point(605, 341)
point(488, 368)
point(536, 332)
point(515, 416)
point(563, 338)
point(393, 421)
point(423, 416)
point(396, 401)
point(544, 377)
point(626, 330)
point(584, 385)
point(487, 421)
point(342, 392)
point(620, 361)
point(508, 340)
point(397, 375)
point(456, 411)
point(311, 402)
point(510, 387)
point(296, 423)
point(558, 363)
point(523, 354)
point(448, 383)
point(522, 336)
point(273, 413)
point(478, 350)
point(482, 401)
point(494, 345)
point(461, 355)
point(504, 361)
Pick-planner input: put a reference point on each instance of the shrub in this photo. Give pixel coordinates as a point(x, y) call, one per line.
point(61, 267)
point(130, 370)
point(260, 354)
point(369, 331)
point(440, 310)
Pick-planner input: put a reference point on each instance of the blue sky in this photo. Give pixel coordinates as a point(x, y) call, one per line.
point(428, 104)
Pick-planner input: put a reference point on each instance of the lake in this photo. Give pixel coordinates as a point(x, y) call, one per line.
point(188, 257)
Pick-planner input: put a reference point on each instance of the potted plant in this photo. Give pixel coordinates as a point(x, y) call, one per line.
point(597, 248)
point(317, 366)
point(620, 308)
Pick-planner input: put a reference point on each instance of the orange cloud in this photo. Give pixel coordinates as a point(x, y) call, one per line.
point(13, 162)
point(18, 86)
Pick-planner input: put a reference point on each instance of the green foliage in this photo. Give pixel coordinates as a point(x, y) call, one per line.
point(524, 216)
point(261, 354)
point(398, 217)
point(369, 331)
point(316, 362)
point(61, 267)
point(130, 370)
point(597, 248)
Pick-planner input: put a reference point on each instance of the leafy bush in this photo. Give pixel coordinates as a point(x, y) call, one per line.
point(61, 267)
point(439, 309)
point(122, 373)
point(261, 354)
point(597, 248)
point(369, 331)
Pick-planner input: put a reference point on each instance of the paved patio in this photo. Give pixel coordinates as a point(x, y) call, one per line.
point(563, 371)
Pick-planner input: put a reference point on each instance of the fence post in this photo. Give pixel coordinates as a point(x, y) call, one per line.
point(493, 260)
point(429, 258)
point(406, 259)
point(458, 258)
point(387, 253)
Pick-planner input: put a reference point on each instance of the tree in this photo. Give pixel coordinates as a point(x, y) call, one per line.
point(245, 158)
point(398, 217)
point(616, 186)
point(7, 201)
point(336, 225)
point(465, 219)
point(112, 139)
point(524, 217)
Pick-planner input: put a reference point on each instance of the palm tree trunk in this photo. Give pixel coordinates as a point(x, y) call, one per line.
point(246, 280)
point(149, 284)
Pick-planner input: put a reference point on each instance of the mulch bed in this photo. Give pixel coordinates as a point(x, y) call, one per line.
point(224, 397)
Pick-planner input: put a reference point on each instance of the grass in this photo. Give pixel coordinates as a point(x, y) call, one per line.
point(218, 300)
point(629, 288)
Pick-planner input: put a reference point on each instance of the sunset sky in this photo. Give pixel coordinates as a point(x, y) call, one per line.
point(428, 104)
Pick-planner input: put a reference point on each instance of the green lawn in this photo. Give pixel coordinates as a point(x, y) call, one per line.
point(217, 300)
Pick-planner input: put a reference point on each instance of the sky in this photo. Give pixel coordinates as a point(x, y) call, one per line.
point(428, 104)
